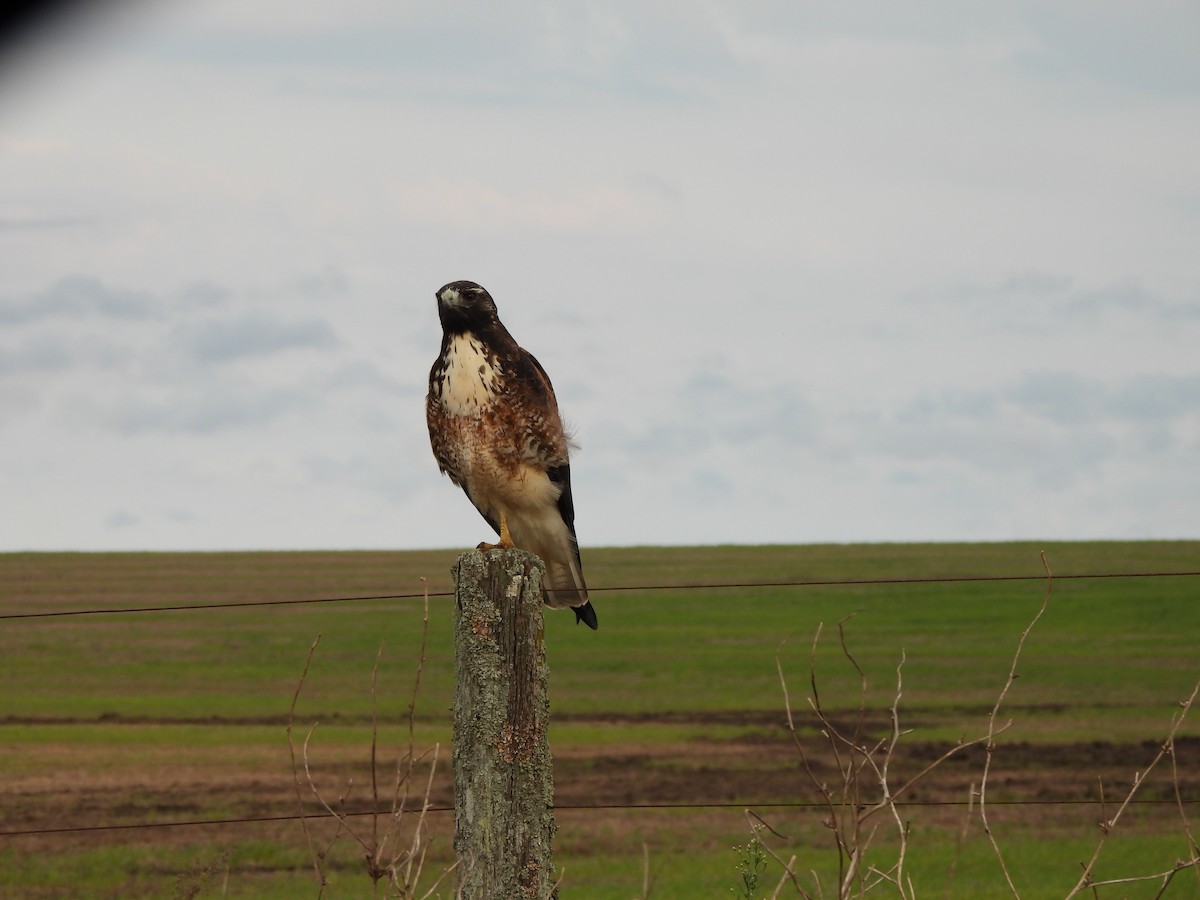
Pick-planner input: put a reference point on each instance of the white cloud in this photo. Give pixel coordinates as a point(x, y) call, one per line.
point(122, 519)
point(479, 206)
point(197, 411)
point(252, 334)
point(36, 356)
point(76, 296)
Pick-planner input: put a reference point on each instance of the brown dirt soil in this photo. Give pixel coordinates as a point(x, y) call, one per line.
point(756, 770)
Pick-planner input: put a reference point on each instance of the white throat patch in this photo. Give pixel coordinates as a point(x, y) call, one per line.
point(469, 383)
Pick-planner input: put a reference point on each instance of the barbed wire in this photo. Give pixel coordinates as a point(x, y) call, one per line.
point(811, 805)
point(844, 582)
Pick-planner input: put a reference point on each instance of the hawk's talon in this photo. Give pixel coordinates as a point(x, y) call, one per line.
point(485, 546)
point(506, 541)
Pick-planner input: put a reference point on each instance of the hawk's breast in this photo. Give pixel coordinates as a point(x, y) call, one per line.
point(465, 399)
point(490, 433)
point(469, 378)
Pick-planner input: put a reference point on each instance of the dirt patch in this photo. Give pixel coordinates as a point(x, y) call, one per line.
point(760, 768)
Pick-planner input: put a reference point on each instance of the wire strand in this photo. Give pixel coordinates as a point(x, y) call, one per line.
point(566, 807)
point(850, 582)
point(240, 604)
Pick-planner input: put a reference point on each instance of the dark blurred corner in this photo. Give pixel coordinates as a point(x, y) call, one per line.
point(31, 28)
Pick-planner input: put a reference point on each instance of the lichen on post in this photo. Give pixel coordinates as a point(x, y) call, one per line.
point(503, 782)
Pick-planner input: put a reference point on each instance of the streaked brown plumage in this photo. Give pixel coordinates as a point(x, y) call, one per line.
point(495, 430)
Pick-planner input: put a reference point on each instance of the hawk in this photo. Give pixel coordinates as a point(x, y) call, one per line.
point(495, 430)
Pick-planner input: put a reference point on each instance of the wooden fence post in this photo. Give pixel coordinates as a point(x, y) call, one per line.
point(503, 783)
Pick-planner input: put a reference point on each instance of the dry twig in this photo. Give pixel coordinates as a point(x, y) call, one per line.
point(865, 769)
point(993, 730)
point(1087, 879)
point(398, 864)
point(317, 855)
point(862, 767)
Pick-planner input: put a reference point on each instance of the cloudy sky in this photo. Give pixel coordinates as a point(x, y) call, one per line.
point(799, 272)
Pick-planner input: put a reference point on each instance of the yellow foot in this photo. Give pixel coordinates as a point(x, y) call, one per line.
point(485, 546)
point(506, 541)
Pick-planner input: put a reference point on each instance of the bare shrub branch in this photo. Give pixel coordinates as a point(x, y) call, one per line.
point(395, 865)
point(789, 870)
point(864, 788)
point(961, 840)
point(993, 730)
point(865, 775)
point(1087, 879)
point(1193, 846)
point(317, 855)
point(863, 768)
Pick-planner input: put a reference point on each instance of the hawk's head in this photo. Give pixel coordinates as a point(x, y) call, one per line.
point(465, 306)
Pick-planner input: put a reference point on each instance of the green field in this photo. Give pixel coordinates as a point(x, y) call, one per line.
point(670, 717)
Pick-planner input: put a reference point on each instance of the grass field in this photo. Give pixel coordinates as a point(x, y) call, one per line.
point(180, 716)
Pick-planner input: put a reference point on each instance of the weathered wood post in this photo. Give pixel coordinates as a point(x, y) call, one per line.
point(503, 783)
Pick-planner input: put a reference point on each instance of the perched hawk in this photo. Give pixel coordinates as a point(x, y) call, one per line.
point(495, 430)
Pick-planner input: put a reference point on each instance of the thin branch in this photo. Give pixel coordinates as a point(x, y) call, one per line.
point(373, 859)
point(1193, 847)
point(403, 773)
point(408, 864)
point(847, 839)
point(412, 702)
point(1107, 826)
point(993, 731)
point(1165, 877)
point(751, 814)
point(883, 778)
point(957, 748)
point(862, 677)
point(414, 856)
point(445, 873)
point(833, 823)
point(552, 893)
point(821, 787)
point(416, 852)
point(308, 838)
point(962, 839)
point(342, 818)
point(789, 873)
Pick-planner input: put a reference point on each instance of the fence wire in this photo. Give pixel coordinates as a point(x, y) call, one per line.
point(809, 806)
point(740, 585)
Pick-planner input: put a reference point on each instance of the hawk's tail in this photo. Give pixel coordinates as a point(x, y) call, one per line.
point(587, 615)
point(564, 587)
